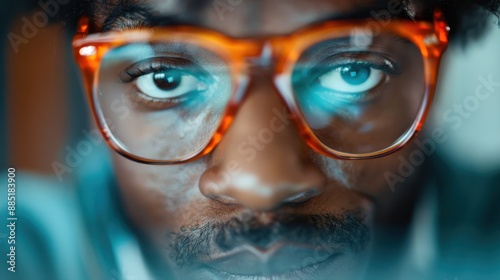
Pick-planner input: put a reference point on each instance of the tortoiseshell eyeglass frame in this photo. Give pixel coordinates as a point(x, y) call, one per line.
point(431, 38)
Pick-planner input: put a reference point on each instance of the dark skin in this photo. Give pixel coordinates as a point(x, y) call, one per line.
point(284, 180)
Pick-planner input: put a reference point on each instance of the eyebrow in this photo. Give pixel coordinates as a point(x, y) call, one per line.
point(134, 15)
point(367, 13)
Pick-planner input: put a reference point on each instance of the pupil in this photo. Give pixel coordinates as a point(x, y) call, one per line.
point(167, 80)
point(355, 75)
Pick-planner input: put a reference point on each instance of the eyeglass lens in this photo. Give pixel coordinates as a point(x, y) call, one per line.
point(164, 100)
point(360, 94)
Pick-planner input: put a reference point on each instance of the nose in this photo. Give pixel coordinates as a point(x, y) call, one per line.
point(261, 162)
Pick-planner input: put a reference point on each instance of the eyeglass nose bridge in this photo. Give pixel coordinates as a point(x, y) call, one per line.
point(265, 59)
point(266, 63)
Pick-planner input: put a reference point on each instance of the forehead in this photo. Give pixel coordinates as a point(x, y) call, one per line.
point(234, 17)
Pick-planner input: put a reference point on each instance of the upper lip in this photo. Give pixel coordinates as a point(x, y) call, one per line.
point(275, 260)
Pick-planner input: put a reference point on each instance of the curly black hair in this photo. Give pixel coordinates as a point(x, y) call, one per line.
point(468, 19)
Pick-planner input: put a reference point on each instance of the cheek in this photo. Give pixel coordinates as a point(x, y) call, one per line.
point(368, 176)
point(161, 196)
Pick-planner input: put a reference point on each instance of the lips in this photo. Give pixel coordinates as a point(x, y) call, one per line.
point(282, 259)
point(285, 247)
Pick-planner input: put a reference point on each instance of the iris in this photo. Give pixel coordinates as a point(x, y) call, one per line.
point(355, 74)
point(168, 79)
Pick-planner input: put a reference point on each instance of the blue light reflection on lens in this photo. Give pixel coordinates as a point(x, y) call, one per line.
point(355, 74)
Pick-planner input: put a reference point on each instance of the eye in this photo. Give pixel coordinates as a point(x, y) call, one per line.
point(352, 79)
point(345, 78)
point(170, 83)
point(165, 82)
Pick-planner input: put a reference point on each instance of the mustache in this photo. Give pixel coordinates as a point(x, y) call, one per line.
point(191, 245)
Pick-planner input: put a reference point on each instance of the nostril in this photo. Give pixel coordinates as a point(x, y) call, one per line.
point(224, 199)
point(257, 188)
point(271, 198)
point(301, 197)
point(297, 198)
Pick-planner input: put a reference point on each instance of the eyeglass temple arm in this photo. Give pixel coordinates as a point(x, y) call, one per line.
point(82, 28)
point(440, 26)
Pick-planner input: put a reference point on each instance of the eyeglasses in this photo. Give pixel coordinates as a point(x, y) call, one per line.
point(167, 95)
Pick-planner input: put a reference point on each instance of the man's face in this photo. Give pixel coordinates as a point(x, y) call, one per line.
point(288, 211)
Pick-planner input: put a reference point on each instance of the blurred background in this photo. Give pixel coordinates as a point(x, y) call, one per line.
point(43, 106)
point(475, 138)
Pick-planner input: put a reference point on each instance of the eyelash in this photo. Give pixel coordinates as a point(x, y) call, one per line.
point(349, 59)
point(159, 64)
point(309, 78)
